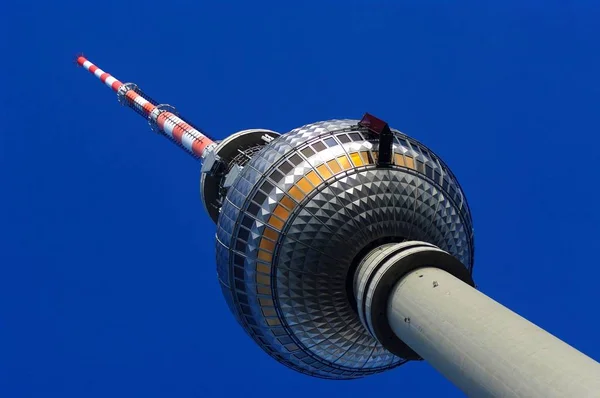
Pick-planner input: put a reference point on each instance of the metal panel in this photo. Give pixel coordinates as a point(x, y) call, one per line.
point(295, 219)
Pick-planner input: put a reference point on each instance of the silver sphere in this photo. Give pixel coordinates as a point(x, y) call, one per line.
point(298, 219)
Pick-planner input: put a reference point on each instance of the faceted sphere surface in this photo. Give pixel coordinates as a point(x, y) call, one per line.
point(299, 215)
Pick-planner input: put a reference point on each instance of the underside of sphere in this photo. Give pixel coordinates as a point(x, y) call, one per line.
point(299, 218)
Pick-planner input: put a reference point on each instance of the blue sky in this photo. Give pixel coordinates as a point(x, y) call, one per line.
point(108, 284)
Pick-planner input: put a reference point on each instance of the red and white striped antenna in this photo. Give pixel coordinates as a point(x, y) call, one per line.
point(163, 119)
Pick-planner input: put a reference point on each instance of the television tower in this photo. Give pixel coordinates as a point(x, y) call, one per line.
point(345, 248)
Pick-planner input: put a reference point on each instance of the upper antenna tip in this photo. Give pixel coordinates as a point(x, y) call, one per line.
point(79, 59)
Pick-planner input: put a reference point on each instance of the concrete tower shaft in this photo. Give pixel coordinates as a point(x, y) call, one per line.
point(411, 300)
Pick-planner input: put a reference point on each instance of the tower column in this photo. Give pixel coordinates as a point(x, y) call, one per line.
point(418, 309)
point(484, 348)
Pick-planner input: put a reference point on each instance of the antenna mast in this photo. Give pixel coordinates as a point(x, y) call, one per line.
point(162, 118)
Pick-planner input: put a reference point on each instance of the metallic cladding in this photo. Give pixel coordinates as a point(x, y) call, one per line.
point(296, 217)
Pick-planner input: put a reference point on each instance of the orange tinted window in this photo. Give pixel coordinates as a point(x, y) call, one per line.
point(269, 312)
point(313, 178)
point(281, 212)
point(265, 302)
point(263, 279)
point(344, 162)
point(324, 171)
point(267, 245)
point(264, 255)
point(304, 185)
point(276, 222)
point(398, 159)
point(334, 166)
point(263, 268)
point(366, 158)
point(355, 157)
point(263, 290)
point(288, 202)
point(296, 193)
point(271, 234)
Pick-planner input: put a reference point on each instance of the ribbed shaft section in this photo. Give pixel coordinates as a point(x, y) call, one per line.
point(167, 123)
point(483, 347)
